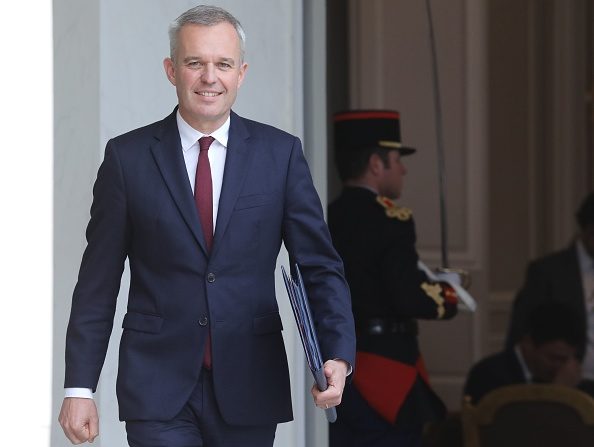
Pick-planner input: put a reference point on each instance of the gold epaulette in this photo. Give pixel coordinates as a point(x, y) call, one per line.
point(393, 210)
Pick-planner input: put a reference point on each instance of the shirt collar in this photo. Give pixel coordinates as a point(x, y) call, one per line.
point(584, 259)
point(189, 136)
point(523, 365)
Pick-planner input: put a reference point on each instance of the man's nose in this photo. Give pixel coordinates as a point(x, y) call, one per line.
point(208, 74)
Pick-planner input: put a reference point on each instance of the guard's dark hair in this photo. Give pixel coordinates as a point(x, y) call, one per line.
point(585, 213)
point(352, 163)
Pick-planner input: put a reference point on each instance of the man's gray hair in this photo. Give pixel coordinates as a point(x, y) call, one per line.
point(207, 16)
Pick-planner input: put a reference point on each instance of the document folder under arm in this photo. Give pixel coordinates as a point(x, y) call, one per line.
point(307, 332)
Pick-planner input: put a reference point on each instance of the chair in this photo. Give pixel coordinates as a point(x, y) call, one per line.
point(445, 433)
point(530, 415)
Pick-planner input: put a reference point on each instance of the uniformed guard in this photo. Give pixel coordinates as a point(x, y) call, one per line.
point(389, 399)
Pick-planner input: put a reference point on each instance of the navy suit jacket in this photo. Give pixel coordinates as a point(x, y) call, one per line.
point(143, 209)
point(555, 277)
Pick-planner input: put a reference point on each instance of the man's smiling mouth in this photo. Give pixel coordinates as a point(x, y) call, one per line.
point(209, 94)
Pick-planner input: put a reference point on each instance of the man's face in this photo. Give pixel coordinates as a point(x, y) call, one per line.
point(546, 360)
point(392, 176)
point(207, 72)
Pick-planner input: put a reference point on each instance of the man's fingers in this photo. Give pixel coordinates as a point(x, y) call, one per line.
point(331, 397)
point(79, 420)
point(93, 429)
point(335, 372)
point(76, 435)
point(79, 433)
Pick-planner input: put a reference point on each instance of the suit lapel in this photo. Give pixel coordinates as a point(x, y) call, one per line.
point(572, 285)
point(514, 368)
point(237, 162)
point(568, 279)
point(168, 155)
point(574, 275)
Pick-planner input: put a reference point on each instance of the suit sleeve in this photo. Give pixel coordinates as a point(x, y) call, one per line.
point(308, 243)
point(95, 294)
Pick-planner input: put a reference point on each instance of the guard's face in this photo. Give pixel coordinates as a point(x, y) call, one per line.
point(207, 72)
point(392, 176)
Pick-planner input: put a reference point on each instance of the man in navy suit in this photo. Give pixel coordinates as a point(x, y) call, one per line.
point(547, 352)
point(202, 359)
point(565, 277)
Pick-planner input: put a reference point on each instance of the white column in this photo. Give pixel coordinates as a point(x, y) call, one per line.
point(316, 150)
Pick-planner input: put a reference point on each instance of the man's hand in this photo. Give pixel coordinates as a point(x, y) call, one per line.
point(570, 374)
point(335, 372)
point(79, 419)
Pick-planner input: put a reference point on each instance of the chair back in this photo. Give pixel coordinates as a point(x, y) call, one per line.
point(530, 415)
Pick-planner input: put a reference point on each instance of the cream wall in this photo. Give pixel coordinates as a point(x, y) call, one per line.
point(109, 79)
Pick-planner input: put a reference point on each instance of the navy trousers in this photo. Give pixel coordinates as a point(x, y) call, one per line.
point(199, 424)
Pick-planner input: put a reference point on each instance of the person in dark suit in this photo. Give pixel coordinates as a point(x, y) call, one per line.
point(564, 277)
point(546, 353)
point(390, 398)
point(199, 203)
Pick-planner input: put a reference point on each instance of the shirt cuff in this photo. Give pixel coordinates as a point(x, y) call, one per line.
point(84, 393)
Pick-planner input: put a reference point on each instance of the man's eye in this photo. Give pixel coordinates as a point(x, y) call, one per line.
point(224, 65)
point(193, 64)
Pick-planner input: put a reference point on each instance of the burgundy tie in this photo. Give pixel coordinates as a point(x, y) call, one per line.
point(203, 190)
point(203, 198)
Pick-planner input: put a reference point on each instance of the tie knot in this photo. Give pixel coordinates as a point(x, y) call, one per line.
point(205, 143)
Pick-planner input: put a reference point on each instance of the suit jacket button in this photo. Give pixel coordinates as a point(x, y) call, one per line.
point(203, 320)
point(211, 277)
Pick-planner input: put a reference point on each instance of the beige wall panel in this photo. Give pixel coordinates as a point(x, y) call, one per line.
point(449, 344)
point(391, 68)
point(449, 390)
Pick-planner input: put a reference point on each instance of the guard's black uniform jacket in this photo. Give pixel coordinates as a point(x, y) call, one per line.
point(376, 240)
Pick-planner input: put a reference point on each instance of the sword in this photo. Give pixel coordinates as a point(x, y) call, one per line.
point(443, 218)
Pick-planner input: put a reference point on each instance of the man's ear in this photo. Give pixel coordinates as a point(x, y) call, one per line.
point(375, 164)
point(242, 71)
point(169, 67)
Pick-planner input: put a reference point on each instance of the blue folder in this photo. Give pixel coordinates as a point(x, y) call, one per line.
point(307, 332)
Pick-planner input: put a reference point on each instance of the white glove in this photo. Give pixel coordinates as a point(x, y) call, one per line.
point(464, 296)
point(449, 277)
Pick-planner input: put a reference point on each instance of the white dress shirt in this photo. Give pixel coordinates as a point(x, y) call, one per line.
point(217, 154)
point(586, 265)
point(522, 361)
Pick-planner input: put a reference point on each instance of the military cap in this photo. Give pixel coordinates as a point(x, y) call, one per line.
point(364, 129)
